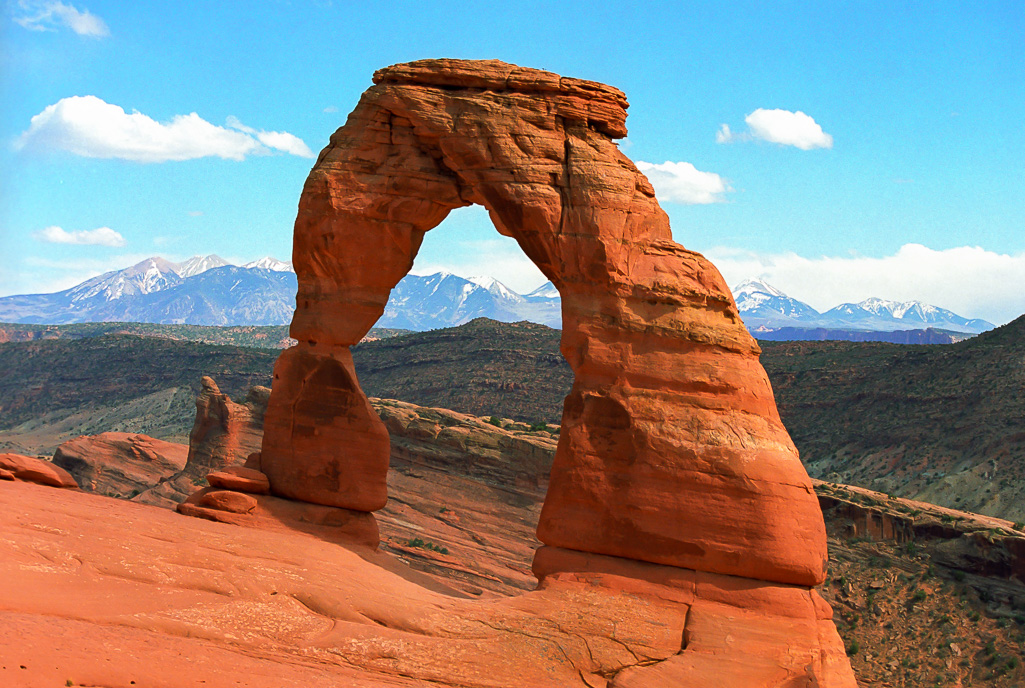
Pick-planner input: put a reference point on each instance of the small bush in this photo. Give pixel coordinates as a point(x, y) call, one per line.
point(1018, 525)
point(538, 427)
point(919, 596)
point(422, 544)
point(496, 421)
point(853, 648)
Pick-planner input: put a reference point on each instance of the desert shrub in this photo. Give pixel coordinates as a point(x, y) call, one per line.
point(422, 544)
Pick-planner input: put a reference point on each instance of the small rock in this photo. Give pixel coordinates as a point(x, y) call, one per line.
point(240, 479)
point(253, 461)
point(226, 500)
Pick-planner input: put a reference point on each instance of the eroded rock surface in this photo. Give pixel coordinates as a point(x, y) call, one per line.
point(671, 450)
point(120, 464)
point(33, 470)
point(224, 434)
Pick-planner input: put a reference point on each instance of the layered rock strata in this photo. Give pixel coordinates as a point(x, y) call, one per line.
point(671, 450)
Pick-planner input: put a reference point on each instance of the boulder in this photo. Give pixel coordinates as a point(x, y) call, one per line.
point(241, 479)
point(273, 514)
point(120, 463)
point(32, 470)
point(226, 500)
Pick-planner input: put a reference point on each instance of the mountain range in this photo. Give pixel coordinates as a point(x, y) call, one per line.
point(208, 290)
point(766, 309)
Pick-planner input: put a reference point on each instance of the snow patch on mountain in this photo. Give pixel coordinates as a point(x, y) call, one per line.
point(545, 291)
point(270, 263)
point(199, 264)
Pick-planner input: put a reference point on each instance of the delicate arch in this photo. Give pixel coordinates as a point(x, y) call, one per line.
point(671, 450)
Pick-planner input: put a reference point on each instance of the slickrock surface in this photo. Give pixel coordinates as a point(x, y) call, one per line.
point(120, 464)
point(224, 434)
point(109, 592)
point(671, 450)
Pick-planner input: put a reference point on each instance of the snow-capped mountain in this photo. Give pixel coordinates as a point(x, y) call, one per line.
point(197, 264)
point(545, 291)
point(496, 288)
point(906, 315)
point(199, 291)
point(272, 264)
point(765, 308)
point(423, 302)
point(760, 303)
point(150, 275)
point(207, 290)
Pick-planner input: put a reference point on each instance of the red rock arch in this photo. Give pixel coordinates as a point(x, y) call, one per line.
point(672, 450)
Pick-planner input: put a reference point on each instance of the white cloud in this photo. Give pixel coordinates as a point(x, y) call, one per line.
point(48, 16)
point(92, 128)
point(968, 280)
point(101, 236)
point(681, 182)
point(278, 140)
point(779, 126)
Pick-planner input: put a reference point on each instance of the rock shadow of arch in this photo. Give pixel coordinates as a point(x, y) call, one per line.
point(671, 449)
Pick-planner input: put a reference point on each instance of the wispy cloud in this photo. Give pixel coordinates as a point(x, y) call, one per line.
point(681, 182)
point(49, 16)
point(968, 280)
point(92, 128)
point(101, 236)
point(779, 126)
point(278, 140)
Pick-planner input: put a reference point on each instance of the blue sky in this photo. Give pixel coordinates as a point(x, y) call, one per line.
point(869, 148)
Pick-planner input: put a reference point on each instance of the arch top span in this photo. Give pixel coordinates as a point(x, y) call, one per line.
point(671, 449)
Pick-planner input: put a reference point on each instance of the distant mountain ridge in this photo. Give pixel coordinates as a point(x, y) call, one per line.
point(767, 310)
point(208, 290)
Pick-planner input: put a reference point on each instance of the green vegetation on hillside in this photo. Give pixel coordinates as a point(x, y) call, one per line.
point(253, 336)
point(942, 423)
point(484, 367)
point(46, 376)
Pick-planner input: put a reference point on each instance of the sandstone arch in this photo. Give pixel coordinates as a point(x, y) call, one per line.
point(672, 451)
